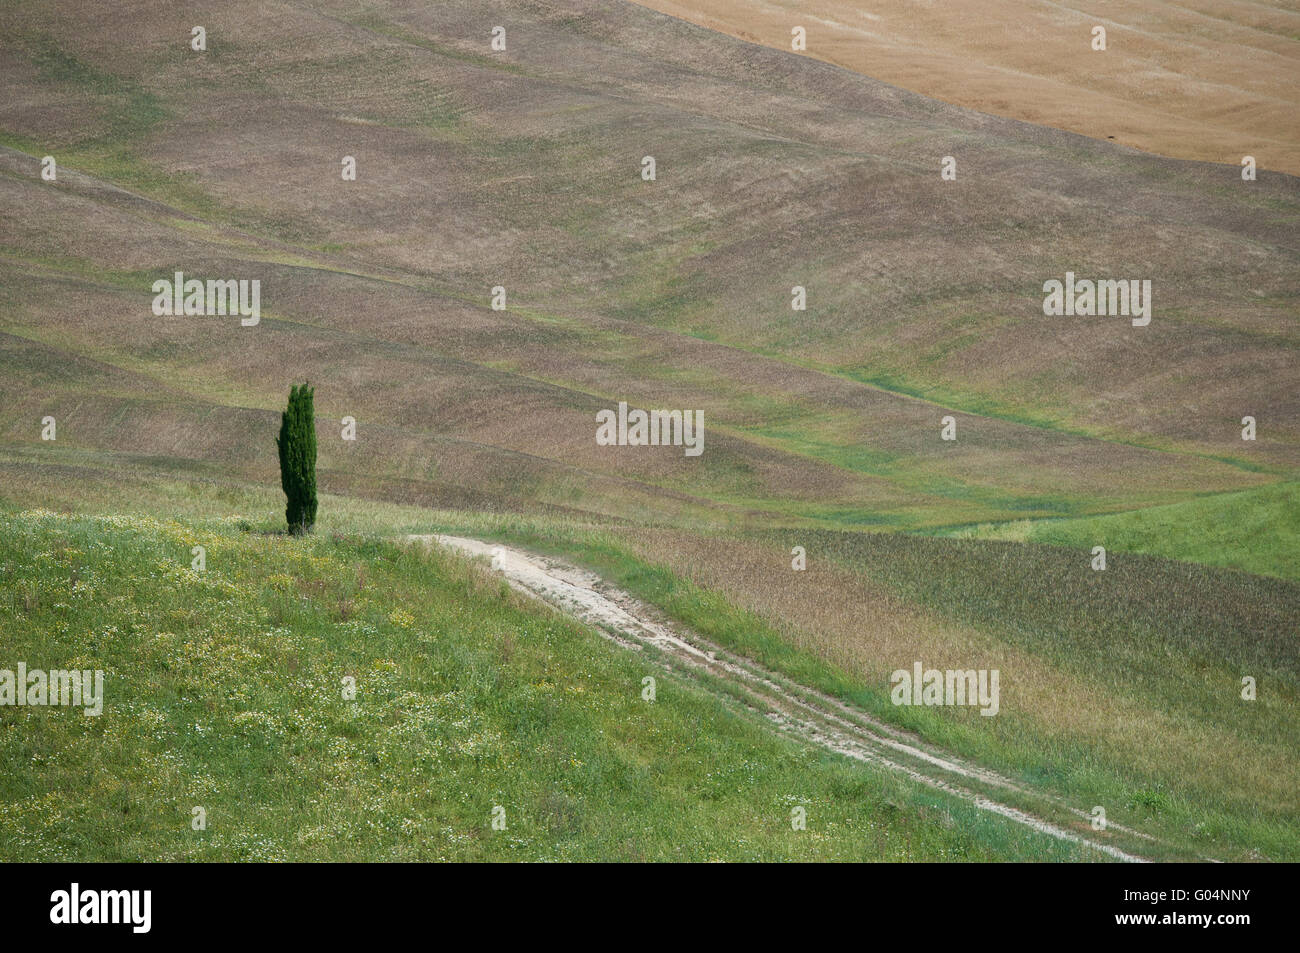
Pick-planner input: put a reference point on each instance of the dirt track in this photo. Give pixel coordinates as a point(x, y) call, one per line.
point(793, 709)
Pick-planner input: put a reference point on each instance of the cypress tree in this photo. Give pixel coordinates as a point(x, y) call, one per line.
point(297, 446)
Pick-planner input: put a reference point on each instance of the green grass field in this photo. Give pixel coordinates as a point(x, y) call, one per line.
point(1124, 687)
point(1255, 531)
point(224, 691)
point(1114, 694)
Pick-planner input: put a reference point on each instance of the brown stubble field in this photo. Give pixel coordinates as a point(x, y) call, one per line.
point(481, 171)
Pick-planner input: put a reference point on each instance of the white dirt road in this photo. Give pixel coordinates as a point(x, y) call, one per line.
point(795, 710)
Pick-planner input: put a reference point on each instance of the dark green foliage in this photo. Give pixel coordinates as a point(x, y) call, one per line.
point(297, 445)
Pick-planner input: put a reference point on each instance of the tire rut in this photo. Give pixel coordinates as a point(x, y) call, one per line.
point(804, 713)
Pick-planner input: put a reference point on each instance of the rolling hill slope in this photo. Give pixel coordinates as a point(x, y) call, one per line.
point(223, 691)
point(521, 169)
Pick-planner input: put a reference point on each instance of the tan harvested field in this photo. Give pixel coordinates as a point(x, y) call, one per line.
point(1213, 80)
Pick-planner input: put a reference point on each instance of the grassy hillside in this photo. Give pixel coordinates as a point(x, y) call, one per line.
point(1256, 531)
point(223, 690)
point(1120, 688)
